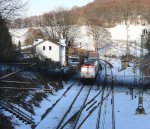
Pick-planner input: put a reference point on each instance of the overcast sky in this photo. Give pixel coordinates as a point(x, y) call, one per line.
point(37, 7)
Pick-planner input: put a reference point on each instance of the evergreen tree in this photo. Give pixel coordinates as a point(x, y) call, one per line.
point(5, 41)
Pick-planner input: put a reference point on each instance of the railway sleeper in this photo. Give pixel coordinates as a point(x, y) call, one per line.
point(91, 105)
point(18, 115)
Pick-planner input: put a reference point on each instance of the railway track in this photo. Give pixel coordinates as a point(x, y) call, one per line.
point(95, 105)
point(77, 103)
point(80, 111)
point(112, 88)
point(54, 104)
point(17, 112)
point(92, 110)
point(70, 107)
point(75, 116)
point(72, 117)
point(101, 99)
point(88, 107)
point(112, 99)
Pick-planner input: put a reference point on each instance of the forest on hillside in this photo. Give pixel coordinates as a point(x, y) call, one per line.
point(100, 12)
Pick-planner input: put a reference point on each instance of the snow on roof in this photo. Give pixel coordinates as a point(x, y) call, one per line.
point(37, 41)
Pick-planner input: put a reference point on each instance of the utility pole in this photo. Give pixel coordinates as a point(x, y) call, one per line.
point(140, 109)
point(113, 105)
point(127, 44)
point(127, 47)
point(135, 72)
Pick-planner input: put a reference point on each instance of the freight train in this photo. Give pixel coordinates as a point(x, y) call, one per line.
point(89, 70)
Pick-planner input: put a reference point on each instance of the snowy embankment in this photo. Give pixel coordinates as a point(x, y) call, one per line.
point(125, 109)
point(119, 36)
point(18, 35)
point(120, 32)
point(126, 103)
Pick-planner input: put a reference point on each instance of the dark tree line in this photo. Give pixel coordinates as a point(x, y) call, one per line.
point(5, 40)
point(9, 9)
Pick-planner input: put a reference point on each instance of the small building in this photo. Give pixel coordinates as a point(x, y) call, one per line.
point(51, 49)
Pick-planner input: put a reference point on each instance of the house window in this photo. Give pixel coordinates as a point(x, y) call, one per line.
point(50, 48)
point(43, 47)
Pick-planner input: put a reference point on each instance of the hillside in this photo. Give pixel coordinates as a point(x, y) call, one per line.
point(112, 12)
point(100, 12)
point(144, 2)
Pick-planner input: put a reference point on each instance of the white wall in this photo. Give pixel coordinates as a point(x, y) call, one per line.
point(53, 53)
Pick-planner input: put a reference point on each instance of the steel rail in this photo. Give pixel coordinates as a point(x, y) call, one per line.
point(92, 110)
point(68, 110)
point(49, 109)
point(17, 112)
point(81, 109)
point(102, 97)
point(76, 113)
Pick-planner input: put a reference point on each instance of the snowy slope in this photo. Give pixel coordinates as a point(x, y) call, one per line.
point(84, 39)
point(119, 38)
point(119, 32)
point(18, 34)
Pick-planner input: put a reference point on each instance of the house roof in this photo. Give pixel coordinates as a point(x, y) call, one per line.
point(39, 41)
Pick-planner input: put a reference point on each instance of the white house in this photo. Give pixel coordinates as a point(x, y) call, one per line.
point(49, 49)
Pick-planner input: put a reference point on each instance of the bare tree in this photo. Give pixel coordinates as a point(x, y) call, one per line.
point(10, 8)
point(32, 35)
point(61, 23)
point(100, 36)
point(18, 23)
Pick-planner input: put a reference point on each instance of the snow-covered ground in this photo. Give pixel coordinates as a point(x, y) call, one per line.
point(125, 112)
point(18, 34)
point(119, 37)
point(119, 32)
point(125, 106)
